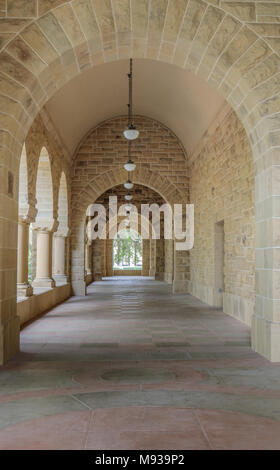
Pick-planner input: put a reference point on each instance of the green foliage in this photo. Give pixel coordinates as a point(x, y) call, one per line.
point(127, 249)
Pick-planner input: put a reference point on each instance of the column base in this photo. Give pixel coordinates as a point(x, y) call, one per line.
point(180, 287)
point(9, 339)
point(43, 282)
point(60, 279)
point(265, 337)
point(152, 273)
point(159, 276)
point(79, 288)
point(24, 290)
point(168, 278)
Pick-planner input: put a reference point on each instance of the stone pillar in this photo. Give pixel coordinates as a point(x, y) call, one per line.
point(181, 272)
point(109, 257)
point(266, 318)
point(168, 260)
point(59, 265)
point(160, 264)
point(97, 259)
point(152, 258)
point(146, 258)
point(44, 260)
point(78, 281)
point(87, 259)
point(181, 282)
point(24, 289)
point(104, 258)
point(159, 272)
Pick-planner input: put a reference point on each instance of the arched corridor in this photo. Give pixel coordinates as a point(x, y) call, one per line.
point(161, 118)
point(136, 359)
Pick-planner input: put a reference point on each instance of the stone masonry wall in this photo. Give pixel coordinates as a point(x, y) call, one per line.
point(222, 189)
point(105, 148)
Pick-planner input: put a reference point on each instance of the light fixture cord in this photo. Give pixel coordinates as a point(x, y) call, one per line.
point(130, 95)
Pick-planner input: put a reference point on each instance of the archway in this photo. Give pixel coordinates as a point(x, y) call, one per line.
point(157, 259)
point(60, 242)
point(24, 258)
point(228, 45)
point(44, 224)
point(127, 256)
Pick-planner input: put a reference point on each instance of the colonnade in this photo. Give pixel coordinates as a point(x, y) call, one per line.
point(51, 258)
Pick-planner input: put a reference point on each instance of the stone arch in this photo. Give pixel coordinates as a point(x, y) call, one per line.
point(23, 185)
point(222, 43)
point(92, 192)
point(63, 205)
point(230, 45)
point(44, 192)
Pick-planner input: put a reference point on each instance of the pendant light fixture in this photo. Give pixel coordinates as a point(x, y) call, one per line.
point(128, 197)
point(131, 133)
point(128, 184)
point(129, 165)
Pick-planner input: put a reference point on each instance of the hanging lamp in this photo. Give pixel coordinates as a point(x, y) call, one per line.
point(129, 165)
point(131, 133)
point(128, 184)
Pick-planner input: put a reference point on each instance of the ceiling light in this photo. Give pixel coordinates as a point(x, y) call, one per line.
point(128, 197)
point(131, 133)
point(128, 184)
point(130, 165)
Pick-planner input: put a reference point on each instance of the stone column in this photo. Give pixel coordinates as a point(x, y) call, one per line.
point(87, 268)
point(168, 260)
point(59, 273)
point(146, 258)
point(159, 273)
point(181, 259)
point(88, 262)
point(109, 257)
point(44, 260)
point(160, 264)
point(152, 258)
point(181, 272)
point(24, 289)
point(97, 248)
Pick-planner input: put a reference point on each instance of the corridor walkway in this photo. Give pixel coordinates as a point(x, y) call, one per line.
point(131, 366)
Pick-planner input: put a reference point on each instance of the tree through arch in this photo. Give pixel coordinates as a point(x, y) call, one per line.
point(127, 250)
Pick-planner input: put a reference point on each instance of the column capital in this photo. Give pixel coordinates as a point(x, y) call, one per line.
point(49, 226)
point(62, 232)
point(28, 212)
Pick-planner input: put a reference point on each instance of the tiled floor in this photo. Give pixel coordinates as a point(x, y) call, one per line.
point(131, 366)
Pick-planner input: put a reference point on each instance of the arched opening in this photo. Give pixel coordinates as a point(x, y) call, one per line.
point(23, 184)
point(44, 225)
point(157, 255)
point(63, 203)
point(60, 239)
point(127, 253)
point(44, 190)
point(24, 258)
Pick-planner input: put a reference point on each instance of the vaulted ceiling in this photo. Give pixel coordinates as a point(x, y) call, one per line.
point(177, 98)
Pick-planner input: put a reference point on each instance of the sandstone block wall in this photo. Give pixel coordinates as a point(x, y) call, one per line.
point(105, 149)
point(222, 189)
